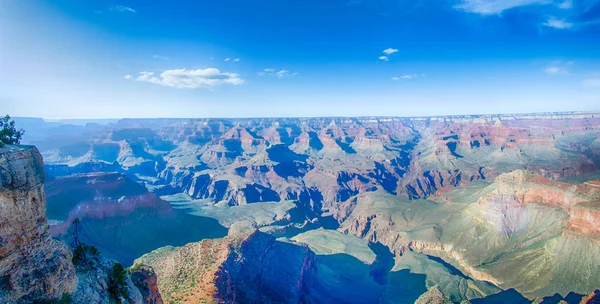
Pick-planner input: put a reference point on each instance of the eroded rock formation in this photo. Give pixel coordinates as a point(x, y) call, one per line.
point(32, 264)
point(246, 267)
point(35, 267)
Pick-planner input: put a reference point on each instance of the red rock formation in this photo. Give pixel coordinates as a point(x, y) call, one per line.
point(146, 281)
point(250, 267)
point(581, 202)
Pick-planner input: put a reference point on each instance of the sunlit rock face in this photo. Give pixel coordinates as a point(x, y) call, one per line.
point(34, 268)
point(323, 161)
point(32, 264)
point(246, 267)
point(506, 214)
point(478, 193)
point(522, 231)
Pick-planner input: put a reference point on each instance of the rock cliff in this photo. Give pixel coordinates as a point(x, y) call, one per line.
point(247, 267)
point(32, 264)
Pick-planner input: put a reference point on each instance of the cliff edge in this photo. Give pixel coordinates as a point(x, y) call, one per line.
point(32, 264)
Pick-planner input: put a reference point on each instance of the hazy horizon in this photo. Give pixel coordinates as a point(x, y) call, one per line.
point(307, 117)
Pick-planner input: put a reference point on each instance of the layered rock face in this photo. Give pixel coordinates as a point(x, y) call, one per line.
point(323, 161)
point(146, 282)
point(96, 283)
point(419, 186)
point(523, 231)
point(247, 267)
point(581, 202)
point(120, 216)
point(32, 264)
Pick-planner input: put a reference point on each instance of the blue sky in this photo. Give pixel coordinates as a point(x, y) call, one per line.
point(240, 58)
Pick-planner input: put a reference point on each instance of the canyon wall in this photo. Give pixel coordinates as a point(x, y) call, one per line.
point(35, 267)
point(32, 264)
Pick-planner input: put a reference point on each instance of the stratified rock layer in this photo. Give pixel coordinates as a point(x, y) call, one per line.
point(32, 264)
point(249, 267)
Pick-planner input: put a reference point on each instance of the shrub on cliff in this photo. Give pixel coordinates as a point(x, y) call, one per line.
point(9, 134)
point(83, 254)
point(117, 287)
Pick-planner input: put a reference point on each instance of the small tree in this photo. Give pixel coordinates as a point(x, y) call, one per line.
point(9, 135)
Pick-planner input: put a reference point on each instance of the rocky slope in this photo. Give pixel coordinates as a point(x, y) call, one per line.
point(523, 231)
point(433, 296)
point(35, 267)
point(249, 267)
point(32, 264)
point(120, 217)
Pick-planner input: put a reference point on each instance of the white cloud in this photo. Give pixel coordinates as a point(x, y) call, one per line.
point(592, 82)
point(277, 73)
point(558, 68)
point(558, 23)
point(390, 51)
point(160, 57)
point(384, 58)
point(491, 7)
point(128, 77)
point(122, 9)
point(227, 59)
point(236, 60)
point(567, 4)
point(190, 79)
point(405, 76)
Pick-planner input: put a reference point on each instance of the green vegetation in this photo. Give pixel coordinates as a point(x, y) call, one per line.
point(65, 299)
point(83, 254)
point(116, 282)
point(9, 134)
point(134, 267)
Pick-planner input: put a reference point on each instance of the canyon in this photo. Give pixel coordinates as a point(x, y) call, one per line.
point(478, 208)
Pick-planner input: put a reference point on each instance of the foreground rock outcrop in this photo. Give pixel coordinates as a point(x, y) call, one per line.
point(32, 264)
point(34, 267)
point(248, 267)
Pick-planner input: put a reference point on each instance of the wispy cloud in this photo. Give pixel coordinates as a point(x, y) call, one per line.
point(491, 7)
point(236, 60)
point(384, 58)
point(567, 4)
point(227, 59)
point(405, 77)
point(277, 73)
point(560, 24)
point(189, 79)
point(591, 14)
point(558, 68)
point(390, 51)
point(122, 9)
point(160, 57)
